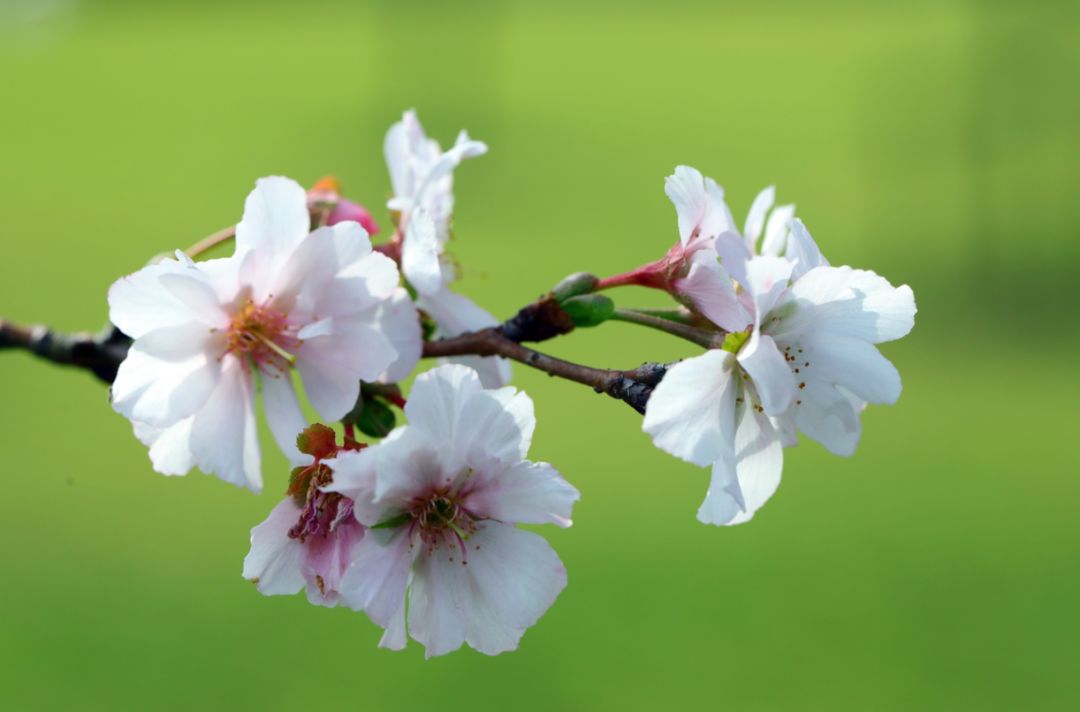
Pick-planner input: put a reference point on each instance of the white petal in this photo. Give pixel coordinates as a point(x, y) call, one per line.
point(733, 254)
point(160, 392)
point(354, 477)
point(709, 286)
point(139, 303)
point(170, 448)
point(273, 562)
point(283, 414)
point(691, 413)
point(375, 582)
point(773, 379)
point(848, 302)
point(740, 487)
point(699, 204)
point(854, 364)
point(802, 250)
point(275, 221)
point(767, 278)
point(755, 218)
point(776, 230)
point(526, 493)
point(829, 416)
point(224, 440)
point(449, 404)
point(333, 365)
point(399, 322)
point(420, 254)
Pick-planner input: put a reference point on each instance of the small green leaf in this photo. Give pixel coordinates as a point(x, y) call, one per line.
point(374, 418)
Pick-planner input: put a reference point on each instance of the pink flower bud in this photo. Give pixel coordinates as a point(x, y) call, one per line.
point(326, 195)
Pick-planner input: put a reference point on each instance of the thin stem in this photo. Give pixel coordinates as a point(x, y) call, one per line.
point(223, 235)
point(633, 387)
point(701, 337)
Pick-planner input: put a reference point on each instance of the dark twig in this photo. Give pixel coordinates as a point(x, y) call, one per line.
point(99, 353)
point(632, 387)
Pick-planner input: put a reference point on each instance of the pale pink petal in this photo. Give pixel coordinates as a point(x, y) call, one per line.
point(224, 440)
point(283, 414)
point(802, 250)
point(776, 230)
point(829, 416)
point(398, 320)
point(376, 579)
point(273, 562)
point(852, 363)
point(456, 314)
point(170, 448)
point(766, 280)
point(332, 366)
point(275, 221)
point(161, 392)
point(420, 254)
point(755, 218)
point(526, 493)
point(325, 560)
point(139, 304)
point(709, 286)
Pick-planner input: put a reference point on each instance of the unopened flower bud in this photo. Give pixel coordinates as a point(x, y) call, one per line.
point(589, 309)
point(575, 284)
point(325, 196)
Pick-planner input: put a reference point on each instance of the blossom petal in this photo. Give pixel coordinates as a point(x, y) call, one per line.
point(766, 280)
point(332, 366)
point(755, 218)
point(376, 580)
point(848, 302)
point(273, 562)
point(802, 250)
point(854, 364)
point(511, 579)
point(526, 493)
point(160, 392)
point(691, 412)
point(829, 416)
point(699, 204)
point(399, 322)
point(776, 230)
point(420, 254)
point(740, 486)
point(773, 379)
point(283, 414)
point(139, 303)
point(275, 221)
point(224, 440)
point(354, 477)
point(708, 285)
point(170, 448)
point(449, 404)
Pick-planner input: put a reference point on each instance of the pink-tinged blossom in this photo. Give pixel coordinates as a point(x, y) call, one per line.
point(806, 362)
point(208, 335)
point(421, 174)
point(308, 540)
point(441, 498)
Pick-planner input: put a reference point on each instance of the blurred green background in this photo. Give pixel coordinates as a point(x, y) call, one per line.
point(935, 142)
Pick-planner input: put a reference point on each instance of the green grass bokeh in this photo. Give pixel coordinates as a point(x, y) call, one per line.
point(934, 142)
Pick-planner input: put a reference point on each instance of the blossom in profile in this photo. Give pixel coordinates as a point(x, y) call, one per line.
point(308, 540)
point(443, 559)
point(208, 335)
point(807, 362)
point(421, 174)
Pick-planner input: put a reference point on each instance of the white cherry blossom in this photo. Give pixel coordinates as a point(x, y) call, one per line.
point(421, 174)
point(806, 362)
point(208, 335)
point(441, 498)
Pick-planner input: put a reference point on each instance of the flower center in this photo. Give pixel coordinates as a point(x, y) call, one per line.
point(438, 518)
point(262, 334)
point(320, 512)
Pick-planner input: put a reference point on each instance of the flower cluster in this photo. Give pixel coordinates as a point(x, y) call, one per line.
point(799, 355)
point(416, 525)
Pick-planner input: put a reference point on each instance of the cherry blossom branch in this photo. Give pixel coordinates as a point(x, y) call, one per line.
point(632, 387)
point(210, 241)
point(99, 353)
